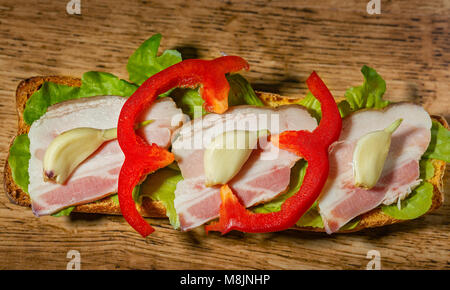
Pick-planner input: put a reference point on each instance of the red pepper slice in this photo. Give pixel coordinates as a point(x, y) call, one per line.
point(142, 158)
point(313, 146)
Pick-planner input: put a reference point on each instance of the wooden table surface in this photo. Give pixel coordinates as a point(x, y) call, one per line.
point(408, 43)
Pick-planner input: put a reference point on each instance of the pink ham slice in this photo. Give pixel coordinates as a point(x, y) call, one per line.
point(97, 176)
point(264, 176)
point(340, 200)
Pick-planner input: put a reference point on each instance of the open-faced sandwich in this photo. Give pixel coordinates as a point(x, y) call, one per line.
point(192, 141)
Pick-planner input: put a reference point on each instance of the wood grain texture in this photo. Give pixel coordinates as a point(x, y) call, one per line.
point(408, 43)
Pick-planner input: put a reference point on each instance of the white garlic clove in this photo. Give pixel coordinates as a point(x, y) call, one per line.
point(227, 153)
point(70, 148)
point(370, 155)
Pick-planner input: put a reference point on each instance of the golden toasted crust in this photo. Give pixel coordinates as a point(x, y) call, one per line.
point(149, 208)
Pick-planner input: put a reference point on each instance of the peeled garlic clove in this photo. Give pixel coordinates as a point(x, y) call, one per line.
point(227, 153)
point(370, 155)
point(72, 147)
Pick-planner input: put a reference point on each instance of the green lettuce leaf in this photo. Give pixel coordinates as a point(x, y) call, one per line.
point(311, 218)
point(439, 147)
point(189, 101)
point(312, 105)
point(19, 155)
point(351, 224)
point(369, 94)
point(344, 108)
point(144, 62)
point(135, 194)
point(92, 84)
point(241, 93)
point(64, 212)
point(115, 198)
point(161, 186)
point(426, 169)
point(417, 203)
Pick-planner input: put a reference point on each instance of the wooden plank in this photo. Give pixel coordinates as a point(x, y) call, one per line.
point(408, 43)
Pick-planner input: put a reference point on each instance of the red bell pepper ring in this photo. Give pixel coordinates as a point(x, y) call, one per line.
point(142, 158)
point(313, 146)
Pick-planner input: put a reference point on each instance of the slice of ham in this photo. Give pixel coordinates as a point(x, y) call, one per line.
point(97, 176)
point(264, 176)
point(340, 200)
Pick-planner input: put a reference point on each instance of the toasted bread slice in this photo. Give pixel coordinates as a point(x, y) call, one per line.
point(150, 208)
